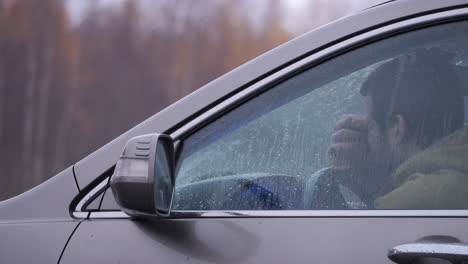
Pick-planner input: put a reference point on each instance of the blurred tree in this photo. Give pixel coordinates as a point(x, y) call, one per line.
point(326, 11)
point(66, 90)
point(37, 57)
point(120, 83)
point(206, 50)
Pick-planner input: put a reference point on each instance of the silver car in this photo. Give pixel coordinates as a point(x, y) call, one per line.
point(348, 144)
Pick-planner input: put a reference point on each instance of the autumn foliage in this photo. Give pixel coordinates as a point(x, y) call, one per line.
point(68, 88)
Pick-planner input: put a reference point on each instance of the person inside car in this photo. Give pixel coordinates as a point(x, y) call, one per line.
point(411, 147)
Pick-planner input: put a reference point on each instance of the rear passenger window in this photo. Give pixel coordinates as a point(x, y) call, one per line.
point(379, 127)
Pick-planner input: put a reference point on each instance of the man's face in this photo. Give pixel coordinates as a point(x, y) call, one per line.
point(360, 144)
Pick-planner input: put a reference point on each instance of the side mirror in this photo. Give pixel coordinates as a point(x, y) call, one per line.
point(143, 179)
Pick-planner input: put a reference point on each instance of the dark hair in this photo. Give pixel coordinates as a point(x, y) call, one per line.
point(423, 88)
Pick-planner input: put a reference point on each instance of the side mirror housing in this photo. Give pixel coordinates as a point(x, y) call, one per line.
point(143, 179)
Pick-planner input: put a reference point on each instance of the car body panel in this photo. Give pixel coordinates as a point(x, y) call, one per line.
point(252, 240)
point(49, 201)
point(200, 100)
point(36, 225)
point(34, 242)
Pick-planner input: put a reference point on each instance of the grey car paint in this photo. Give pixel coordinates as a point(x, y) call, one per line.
point(185, 109)
point(252, 240)
point(47, 202)
point(35, 226)
point(39, 242)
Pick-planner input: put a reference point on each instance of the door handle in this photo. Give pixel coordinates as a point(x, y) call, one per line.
point(456, 253)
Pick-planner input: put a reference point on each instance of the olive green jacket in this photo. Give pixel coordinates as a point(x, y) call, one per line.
point(436, 178)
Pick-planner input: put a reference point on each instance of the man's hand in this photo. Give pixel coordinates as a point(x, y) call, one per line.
point(349, 142)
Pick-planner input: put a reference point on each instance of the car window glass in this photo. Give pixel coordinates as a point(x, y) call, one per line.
point(95, 204)
point(378, 127)
point(108, 202)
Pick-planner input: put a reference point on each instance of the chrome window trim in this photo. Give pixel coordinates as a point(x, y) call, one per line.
point(361, 39)
point(294, 214)
point(109, 214)
point(80, 215)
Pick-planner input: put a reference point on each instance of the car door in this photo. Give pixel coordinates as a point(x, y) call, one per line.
point(248, 170)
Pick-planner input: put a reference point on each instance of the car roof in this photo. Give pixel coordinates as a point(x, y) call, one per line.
point(199, 101)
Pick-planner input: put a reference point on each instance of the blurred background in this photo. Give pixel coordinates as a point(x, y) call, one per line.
point(74, 74)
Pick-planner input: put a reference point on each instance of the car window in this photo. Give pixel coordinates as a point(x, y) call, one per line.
point(378, 127)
